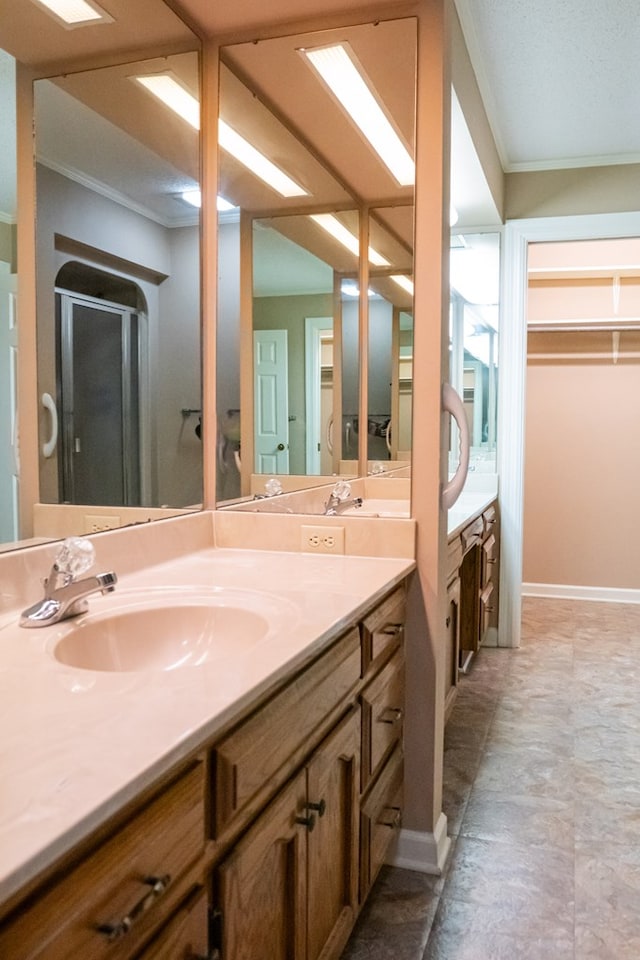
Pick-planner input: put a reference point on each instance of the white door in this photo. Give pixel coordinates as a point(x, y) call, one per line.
point(271, 399)
point(8, 407)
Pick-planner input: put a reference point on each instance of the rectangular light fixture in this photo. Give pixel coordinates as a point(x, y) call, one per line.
point(349, 240)
point(170, 91)
point(405, 282)
point(76, 13)
point(257, 163)
point(338, 68)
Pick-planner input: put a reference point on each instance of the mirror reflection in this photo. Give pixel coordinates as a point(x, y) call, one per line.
point(118, 309)
point(474, 308)
point(289, 266)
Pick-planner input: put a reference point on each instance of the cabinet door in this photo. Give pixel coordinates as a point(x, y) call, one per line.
point(260, 889)
point(452, 645)
point(333, 779)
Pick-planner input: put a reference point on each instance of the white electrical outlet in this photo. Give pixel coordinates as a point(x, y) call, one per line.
point(321, 539)
point(95, 524)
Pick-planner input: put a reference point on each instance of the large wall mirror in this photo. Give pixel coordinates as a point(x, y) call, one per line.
point(117, 281)
point(296, 333)
point(8, 287)
point(474, 326)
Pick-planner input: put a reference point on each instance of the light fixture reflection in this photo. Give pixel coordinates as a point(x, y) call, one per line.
point(170, 91)
point(76, 13)
point(337, 65)
point(257, 163)
point(339, 232)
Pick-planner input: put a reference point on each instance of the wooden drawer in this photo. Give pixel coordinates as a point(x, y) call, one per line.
point(382, 716)
point(382, 630)
point(186, 935)
point(490, 519)
point(162, 841)
point(258, 756)
point(454, 558)
point(472, 534)
point(489, 559)
point(381, 817)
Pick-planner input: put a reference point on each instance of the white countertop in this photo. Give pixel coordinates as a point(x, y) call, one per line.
point(467, 507)
point(78, 744)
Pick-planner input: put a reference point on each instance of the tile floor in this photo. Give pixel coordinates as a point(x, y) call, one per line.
point(542, 794)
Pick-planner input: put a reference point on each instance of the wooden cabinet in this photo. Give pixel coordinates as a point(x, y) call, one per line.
point(289, 888)
point(472, 596)
point(265, 844)
point(109, 903)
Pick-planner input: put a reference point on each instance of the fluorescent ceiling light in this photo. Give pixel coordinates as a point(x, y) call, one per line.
point(453, 216)
point(224, 205)
point(349, 288)
point(170, 91)
point(193, 197)
point(76, 13)
point(349, 240)
point(405, 282)
point(337, 67)
point(257, 163)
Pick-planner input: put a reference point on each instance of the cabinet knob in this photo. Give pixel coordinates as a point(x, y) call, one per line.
point(447, 622)
point(393, 629)
point(390, 715)
point(320, 807)
point(119, 928)
point(308, 822)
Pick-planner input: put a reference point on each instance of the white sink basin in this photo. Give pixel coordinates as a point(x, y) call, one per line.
point(164, 633)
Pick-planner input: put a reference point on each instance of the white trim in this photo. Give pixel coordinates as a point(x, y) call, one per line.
point(568, 591)
point(512, 371)
point(314, 327)
point(573, 163)
point(421, 851)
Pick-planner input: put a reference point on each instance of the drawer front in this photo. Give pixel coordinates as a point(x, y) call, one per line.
point(108, 889)
point(253, 760)
point(490, 518)
point(381, 818)
point(454, 558)
point(472, 534)
point(383, 713)
point(186, 935)
point(383, 630)
point(489, 559)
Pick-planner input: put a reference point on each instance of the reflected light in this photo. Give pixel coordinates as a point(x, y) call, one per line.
point(76, 13)
point(257, 163)
point(349, 240)
point(405, 282)
point(170, 91)
point(337, 65)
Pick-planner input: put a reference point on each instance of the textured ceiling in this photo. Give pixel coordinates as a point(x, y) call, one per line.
point(559, 79)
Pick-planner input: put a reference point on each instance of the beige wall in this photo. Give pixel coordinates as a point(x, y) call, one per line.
point(554, 193)
point(581, 522)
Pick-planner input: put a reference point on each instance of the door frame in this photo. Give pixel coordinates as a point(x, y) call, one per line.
point(512, 373)
point(314, 327)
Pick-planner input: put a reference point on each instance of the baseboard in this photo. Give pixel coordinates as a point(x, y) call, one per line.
point(572, 592)
point(424, 852)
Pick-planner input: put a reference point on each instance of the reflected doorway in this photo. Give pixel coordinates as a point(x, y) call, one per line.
point(99, 400)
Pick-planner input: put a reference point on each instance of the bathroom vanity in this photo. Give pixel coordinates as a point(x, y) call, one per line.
point(472, 587)
point(240, 807)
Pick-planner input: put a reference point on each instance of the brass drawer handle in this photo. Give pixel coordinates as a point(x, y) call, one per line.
point(393, 630)
point(390, 715)
point(492, 559)
point(394, 820)
point(117, 930)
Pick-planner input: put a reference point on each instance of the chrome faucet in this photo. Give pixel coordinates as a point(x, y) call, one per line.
point(335, 505)
point(64, 595)
point(340, 499)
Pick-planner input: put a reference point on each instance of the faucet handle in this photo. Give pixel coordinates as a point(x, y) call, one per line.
point(342, 490)
point(75, 556)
